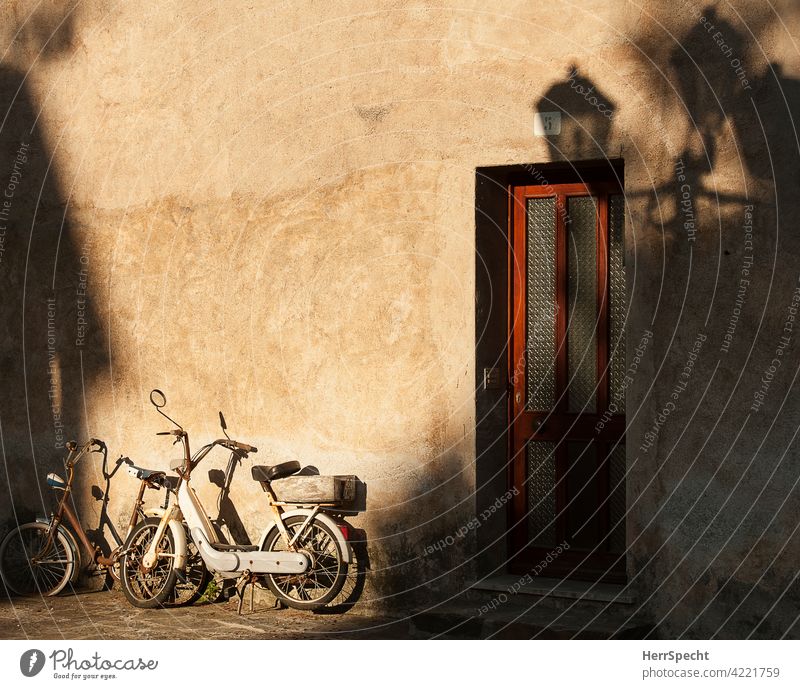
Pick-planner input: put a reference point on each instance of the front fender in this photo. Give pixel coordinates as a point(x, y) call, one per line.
point(178, 535)
point(76, 550)
point(347, 551)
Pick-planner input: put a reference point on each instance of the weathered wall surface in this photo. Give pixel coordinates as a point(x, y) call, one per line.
point(273, 210)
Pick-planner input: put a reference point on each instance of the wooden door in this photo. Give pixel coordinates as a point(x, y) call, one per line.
point(567, 370)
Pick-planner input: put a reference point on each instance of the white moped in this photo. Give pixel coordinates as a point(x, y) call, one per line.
point(302, 556)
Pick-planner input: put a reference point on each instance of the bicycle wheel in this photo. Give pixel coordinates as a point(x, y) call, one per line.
point(32, 563)
point(191, 582)
point(148, 588)
point(326, 575)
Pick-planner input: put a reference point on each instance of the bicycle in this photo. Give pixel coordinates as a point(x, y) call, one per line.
point(44, 556)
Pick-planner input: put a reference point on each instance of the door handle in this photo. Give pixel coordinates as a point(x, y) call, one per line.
point(518, 397)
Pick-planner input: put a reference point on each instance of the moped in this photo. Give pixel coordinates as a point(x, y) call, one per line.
point(302, 556)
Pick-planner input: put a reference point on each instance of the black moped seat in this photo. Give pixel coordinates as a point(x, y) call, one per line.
point(273, 473)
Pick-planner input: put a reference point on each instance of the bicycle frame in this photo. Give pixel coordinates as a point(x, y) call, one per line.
point(65, 510)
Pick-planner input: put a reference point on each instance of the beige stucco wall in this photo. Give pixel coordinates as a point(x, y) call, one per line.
point(275, 209)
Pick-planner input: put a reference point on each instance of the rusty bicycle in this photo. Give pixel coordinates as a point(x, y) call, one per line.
point(42, 557)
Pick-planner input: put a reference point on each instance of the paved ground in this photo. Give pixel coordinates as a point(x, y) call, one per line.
point(107, 615)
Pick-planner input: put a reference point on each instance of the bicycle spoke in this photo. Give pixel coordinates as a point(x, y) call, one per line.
point(322, 575)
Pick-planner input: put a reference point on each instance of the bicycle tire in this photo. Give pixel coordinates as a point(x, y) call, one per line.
point(327, 574)
point(27, 569)
point(148, 589)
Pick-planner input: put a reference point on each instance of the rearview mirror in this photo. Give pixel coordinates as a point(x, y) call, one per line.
point(222, 422)
point(157, 398)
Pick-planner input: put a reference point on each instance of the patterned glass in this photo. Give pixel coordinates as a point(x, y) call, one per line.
point(541, 297)
point(541, 493)
point(582, 304)
point(616, 310)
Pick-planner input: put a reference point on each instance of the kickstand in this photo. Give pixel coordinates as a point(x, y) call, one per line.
point(241, 585)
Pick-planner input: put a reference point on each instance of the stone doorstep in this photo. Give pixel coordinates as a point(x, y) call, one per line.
point(545, 609)
point(558, 588)
point(460, 620)
point(528, 617)
point(541, 586)
point(537, 611)
point(452, 625)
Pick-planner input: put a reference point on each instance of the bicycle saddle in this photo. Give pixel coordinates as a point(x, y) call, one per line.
point(143, 474)
point(273, 473)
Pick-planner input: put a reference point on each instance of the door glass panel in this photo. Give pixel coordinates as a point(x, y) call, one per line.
point(616, 501)
point(616, 310)
point(582, 304)
point(541, 297)
point(582, 489)
point(541, 493)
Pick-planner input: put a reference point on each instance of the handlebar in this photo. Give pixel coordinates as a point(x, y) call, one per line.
point(233, 445)
point(241, 449)
point(244, 447)
point(76, 452)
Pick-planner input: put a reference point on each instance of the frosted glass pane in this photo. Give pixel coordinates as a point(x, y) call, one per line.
point(541, 297)
point(582, 304)
point(616, 310)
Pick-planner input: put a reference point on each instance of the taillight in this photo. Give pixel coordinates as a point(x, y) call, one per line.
point(345, 529)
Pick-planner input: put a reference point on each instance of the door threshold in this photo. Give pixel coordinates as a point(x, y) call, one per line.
point(557, 588)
